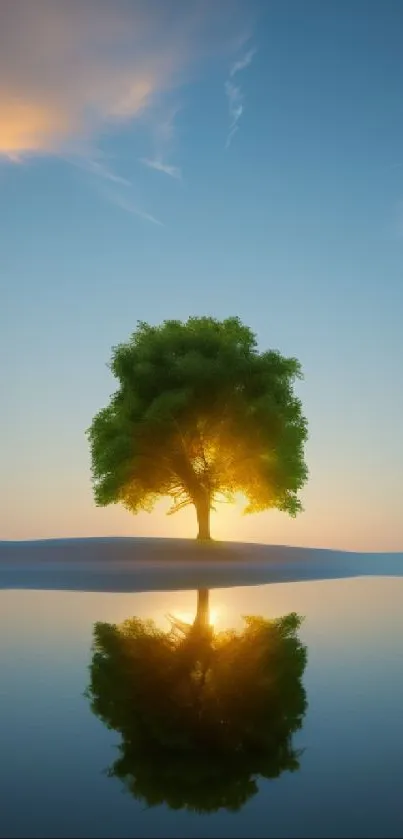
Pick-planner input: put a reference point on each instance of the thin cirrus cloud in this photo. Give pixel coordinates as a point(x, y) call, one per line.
point(129, 206)
point(163, 136)
point(159, 166)
point(72, 70)
point(107, 181)
point(66, 69)
point(234, 94)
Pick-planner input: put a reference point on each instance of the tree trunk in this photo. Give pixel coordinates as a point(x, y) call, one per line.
point(202, 619)
point(203, 518)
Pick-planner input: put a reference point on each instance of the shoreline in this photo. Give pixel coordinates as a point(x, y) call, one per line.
point(161, 544)
point(125, 564)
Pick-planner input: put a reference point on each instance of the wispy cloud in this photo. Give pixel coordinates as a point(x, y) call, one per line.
point(66, 68)
point(235, 105)
point(234, 94)
point(70, 70)
point(168, 169)
point(109, 185)
point(124, 203)
point(242, 63)
point(163, 132)
point(100, 170)
point(73, 71)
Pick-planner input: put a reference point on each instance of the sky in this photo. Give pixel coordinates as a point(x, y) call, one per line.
point(166, 159)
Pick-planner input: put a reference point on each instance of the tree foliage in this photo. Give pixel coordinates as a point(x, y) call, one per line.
point(201, 715)
point(200, 415)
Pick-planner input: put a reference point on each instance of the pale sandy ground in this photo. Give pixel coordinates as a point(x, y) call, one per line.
point(134, 564)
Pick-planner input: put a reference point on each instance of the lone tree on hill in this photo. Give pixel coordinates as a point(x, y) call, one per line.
point(200, 415)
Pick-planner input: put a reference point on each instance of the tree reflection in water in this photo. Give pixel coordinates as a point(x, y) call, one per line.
point(202, 714)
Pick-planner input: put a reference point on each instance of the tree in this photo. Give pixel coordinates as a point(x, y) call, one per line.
point(199, 415)
point(201, 714)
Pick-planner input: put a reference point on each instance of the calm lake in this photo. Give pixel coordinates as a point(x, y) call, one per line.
point(346, 753)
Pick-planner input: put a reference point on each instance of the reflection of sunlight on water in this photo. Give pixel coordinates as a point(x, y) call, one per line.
point(186, 617)
point(216, 616)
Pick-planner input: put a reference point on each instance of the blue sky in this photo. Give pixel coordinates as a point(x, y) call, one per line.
point(122, 200)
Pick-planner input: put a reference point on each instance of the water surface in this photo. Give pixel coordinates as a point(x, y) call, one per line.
point(55, 751)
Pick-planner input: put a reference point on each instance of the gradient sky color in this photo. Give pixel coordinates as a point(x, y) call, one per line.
point(164, 159)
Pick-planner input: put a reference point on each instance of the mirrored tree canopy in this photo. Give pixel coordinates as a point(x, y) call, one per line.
point(202, 714)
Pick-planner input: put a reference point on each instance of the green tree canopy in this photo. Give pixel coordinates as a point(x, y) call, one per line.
point(200, 415)
point(201, 715)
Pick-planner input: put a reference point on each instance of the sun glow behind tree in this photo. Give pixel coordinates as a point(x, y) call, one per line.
point(200, 416)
